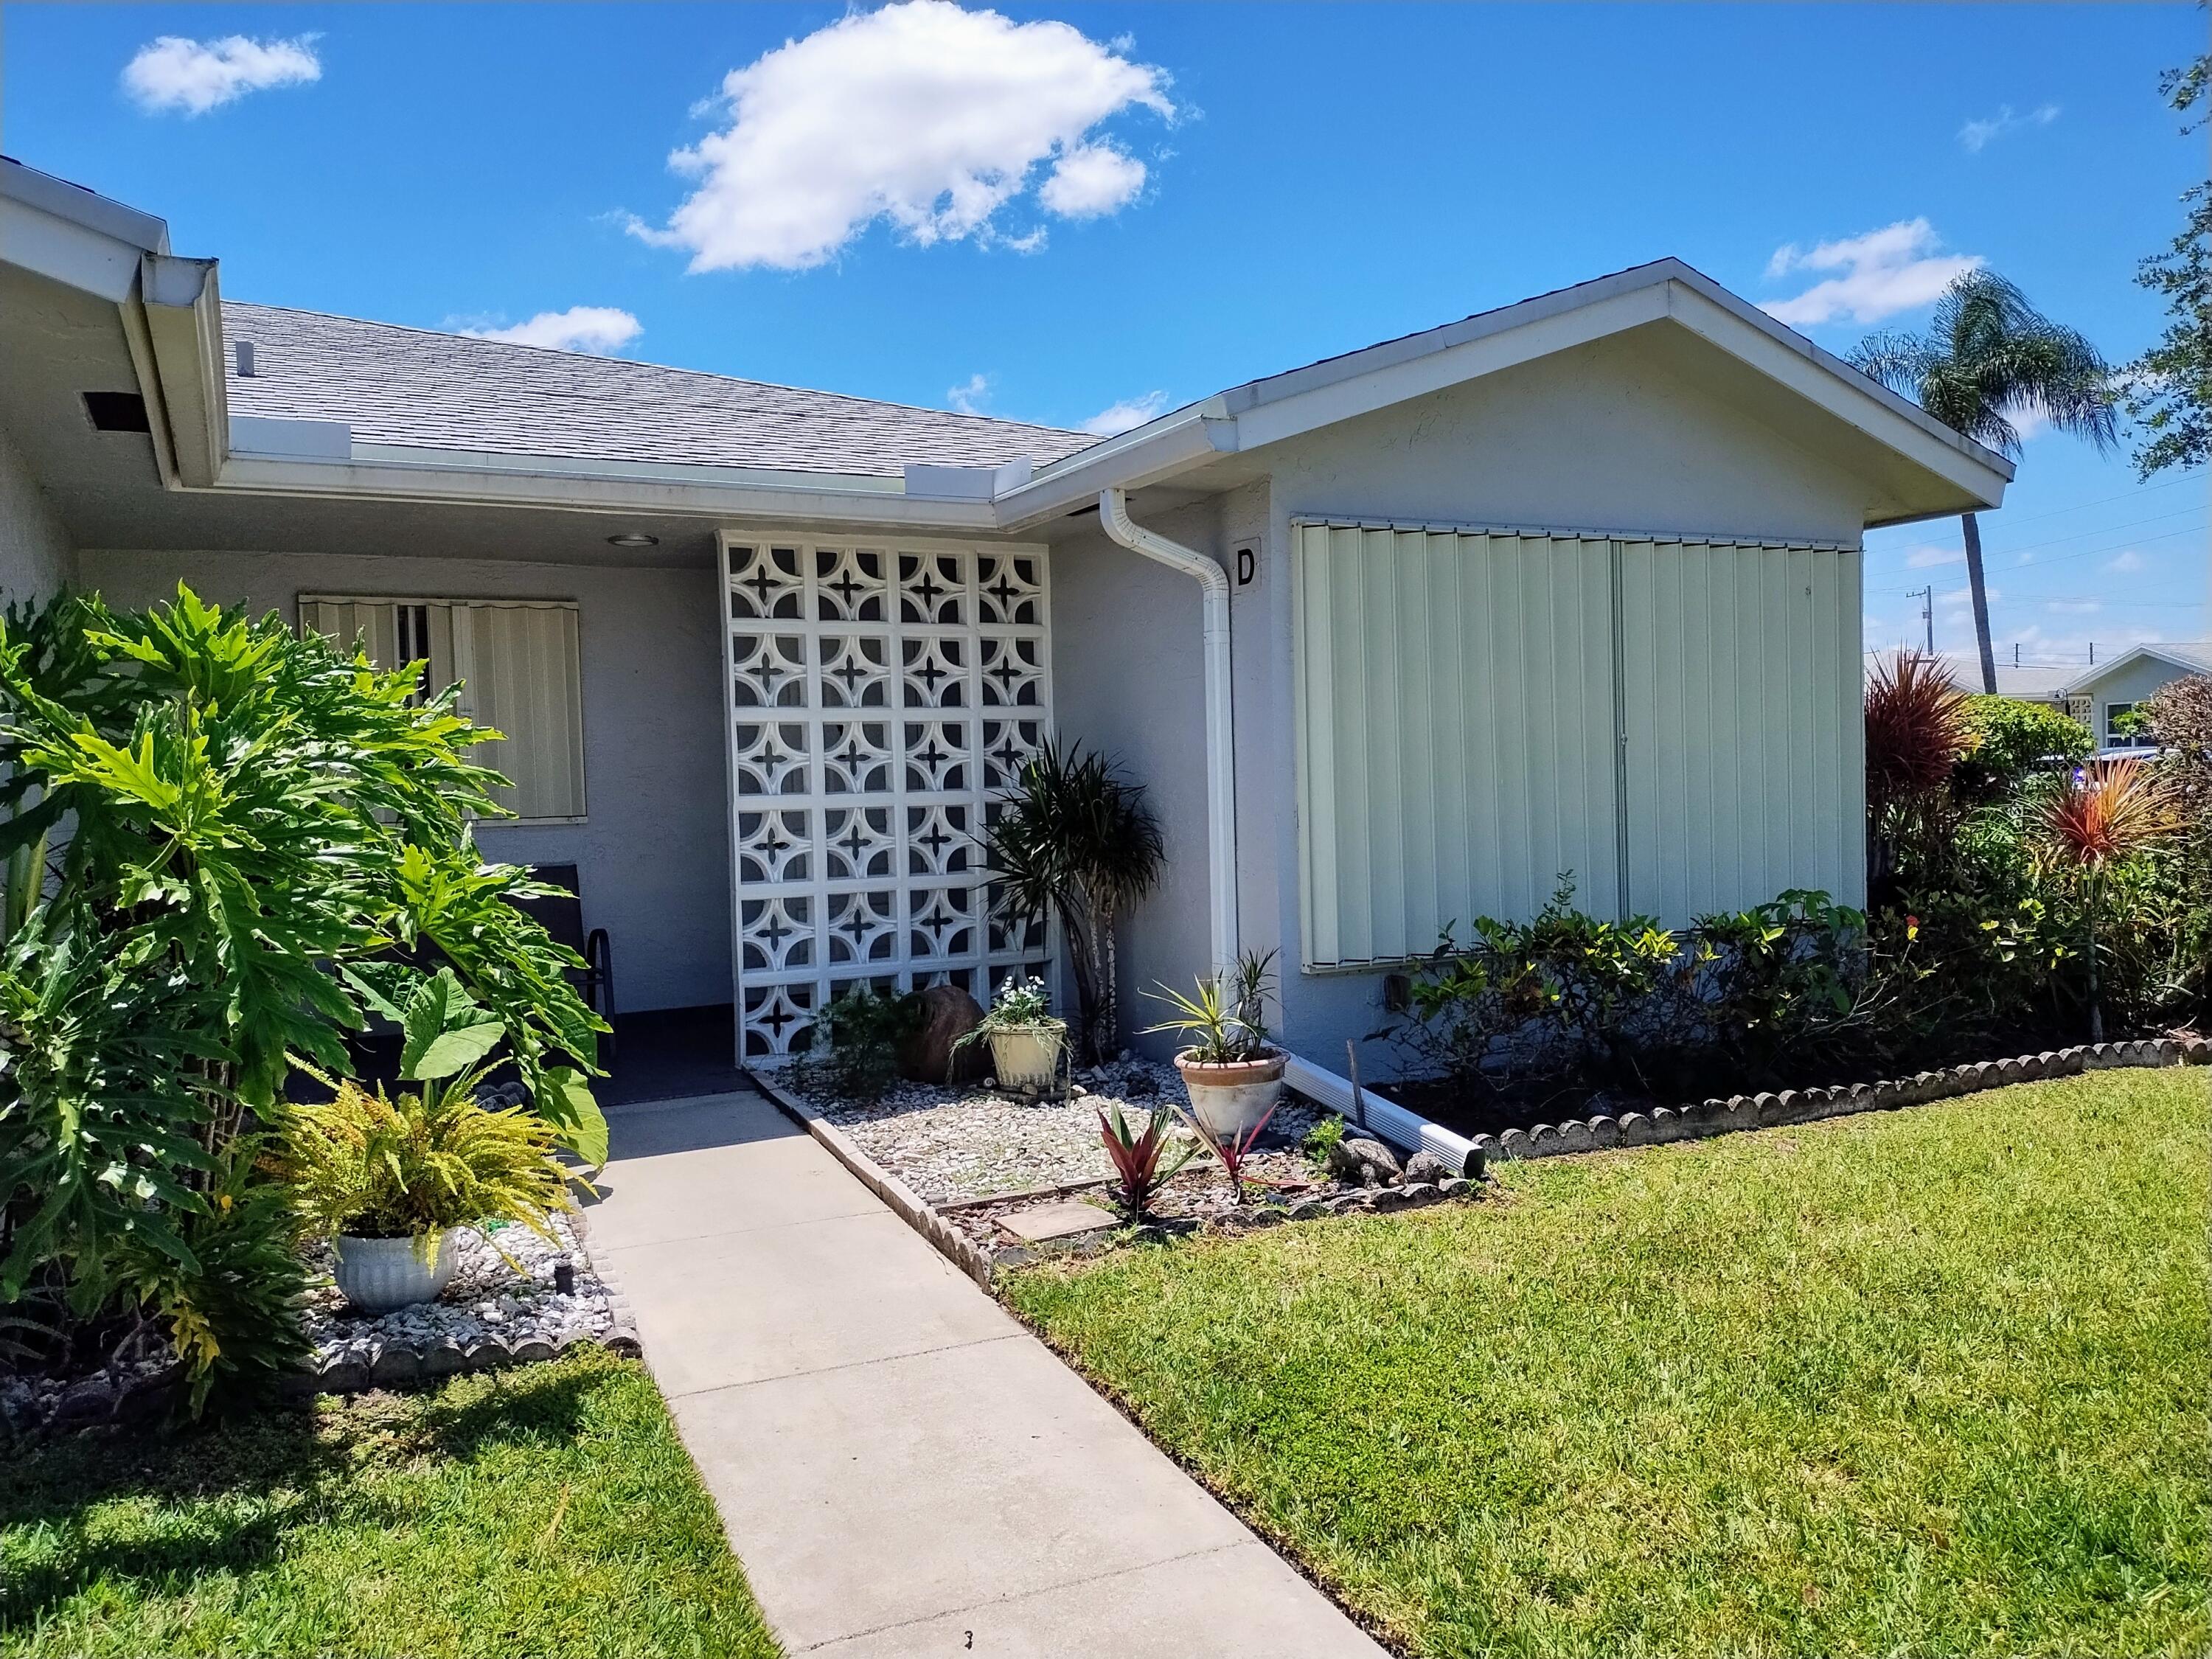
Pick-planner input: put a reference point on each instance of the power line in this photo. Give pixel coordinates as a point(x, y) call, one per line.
point(2101, 530)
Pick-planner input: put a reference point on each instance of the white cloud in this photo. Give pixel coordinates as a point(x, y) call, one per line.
point(595, 329)
point(1965, 595)
point(1922, 558)
point(1130, 411)
point(173, 72)
point(2029, 422)
point(968, 397)
point(2127, 564)
point(2068, 606)
point(1976, 135)
point(1091, 180)
point(922, 115)
point(1884, 271)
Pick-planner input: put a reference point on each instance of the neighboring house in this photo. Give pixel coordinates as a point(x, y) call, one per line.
point(2099, 695)
point(1392, 639)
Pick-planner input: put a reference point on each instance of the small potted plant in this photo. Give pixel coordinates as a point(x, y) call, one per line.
point(386, 1179)
point(1234, 1076)
point(1026, 1040)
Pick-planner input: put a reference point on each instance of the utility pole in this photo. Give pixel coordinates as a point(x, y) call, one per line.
point(1926, 598)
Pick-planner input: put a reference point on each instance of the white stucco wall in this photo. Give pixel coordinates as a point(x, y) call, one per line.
point(34, 548)
point(1606, 437)
point(653, 858)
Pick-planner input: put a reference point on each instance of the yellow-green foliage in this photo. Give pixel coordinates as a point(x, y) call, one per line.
point(374, 1167)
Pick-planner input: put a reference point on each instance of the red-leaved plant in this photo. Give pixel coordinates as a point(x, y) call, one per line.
point(1143, 1162)
point(1916, 729)
point(2105, 812)
point(1231, 1149)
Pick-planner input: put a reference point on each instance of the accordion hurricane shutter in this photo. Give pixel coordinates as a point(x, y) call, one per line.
point(1674, 722)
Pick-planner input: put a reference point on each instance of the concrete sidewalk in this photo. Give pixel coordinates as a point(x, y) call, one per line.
point(903, 1469)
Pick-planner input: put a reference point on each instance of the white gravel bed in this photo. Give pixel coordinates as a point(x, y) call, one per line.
point(952, 1143)
point(486, 1299)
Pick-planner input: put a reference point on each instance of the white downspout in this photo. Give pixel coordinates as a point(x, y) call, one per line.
point(1220, 721)
point(1394, 1123)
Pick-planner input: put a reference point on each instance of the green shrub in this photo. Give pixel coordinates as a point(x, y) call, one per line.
point(857, 1043)
point(2011, 743)
point(261, 826)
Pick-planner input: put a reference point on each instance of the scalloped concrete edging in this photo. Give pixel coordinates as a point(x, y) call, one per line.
point(951, 1243)
point(402, 1365)
point(1704, 1118)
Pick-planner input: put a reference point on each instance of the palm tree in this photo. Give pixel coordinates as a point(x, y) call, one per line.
point(1989, 354)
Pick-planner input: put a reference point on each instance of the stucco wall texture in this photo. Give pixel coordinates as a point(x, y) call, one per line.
point(34, 549)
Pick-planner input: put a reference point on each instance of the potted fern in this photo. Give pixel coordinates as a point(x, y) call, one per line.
point(1026, 1040)
point(1233, 1072)
point(386, 1180)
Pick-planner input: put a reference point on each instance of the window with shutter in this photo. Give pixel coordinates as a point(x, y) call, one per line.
point(521, 671)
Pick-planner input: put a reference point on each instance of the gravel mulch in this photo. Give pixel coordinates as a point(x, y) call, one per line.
point(952, 1143)
point(1277, 1172)
point(487, 1299)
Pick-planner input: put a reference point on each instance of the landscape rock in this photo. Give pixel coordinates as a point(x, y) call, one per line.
point(1369, 1163)
point(948, 1013)
point(1428, 1167)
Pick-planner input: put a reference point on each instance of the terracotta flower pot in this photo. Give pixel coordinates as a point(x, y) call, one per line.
point(1230, 1097)
point(1028, 1056)
point(379, 1274)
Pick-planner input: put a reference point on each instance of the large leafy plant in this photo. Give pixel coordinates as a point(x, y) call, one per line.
point(368, 1164)
point(229, 848)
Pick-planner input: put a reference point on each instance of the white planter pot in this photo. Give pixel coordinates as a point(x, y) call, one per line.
point(1230, 1098)
point(379, 1274)
point(1027, 1057)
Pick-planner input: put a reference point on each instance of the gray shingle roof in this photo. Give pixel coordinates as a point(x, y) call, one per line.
point(425, 389)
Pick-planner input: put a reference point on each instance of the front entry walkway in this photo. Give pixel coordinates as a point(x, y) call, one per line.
point(903, 1469)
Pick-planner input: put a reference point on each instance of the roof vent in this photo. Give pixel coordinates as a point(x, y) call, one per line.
point(246, 360)
point(117, 412)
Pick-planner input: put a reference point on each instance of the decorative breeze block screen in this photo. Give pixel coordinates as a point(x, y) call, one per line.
point(881, 694)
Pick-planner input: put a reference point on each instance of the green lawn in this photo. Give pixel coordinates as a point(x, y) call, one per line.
point(547, 1510)
point(1922, 1382)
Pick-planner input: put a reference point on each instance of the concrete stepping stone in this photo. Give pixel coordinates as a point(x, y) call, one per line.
point(1063, 1220)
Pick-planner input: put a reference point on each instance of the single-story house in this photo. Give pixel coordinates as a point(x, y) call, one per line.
point(2099, 695)
point(1391, 639)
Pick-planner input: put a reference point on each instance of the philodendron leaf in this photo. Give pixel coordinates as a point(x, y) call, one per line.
point(446, 1031)
point(565, 1100)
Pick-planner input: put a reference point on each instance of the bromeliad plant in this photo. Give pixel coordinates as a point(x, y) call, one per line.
point(1144, 1160)
point(260, 827)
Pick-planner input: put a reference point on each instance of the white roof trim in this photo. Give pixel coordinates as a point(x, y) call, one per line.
point(1301, 400)
point(2155, 648)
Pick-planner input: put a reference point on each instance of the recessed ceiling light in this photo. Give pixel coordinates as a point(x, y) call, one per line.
point(633, 538)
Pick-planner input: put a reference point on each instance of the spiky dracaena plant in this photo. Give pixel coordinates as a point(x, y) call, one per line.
point(2100, 815)
point(1988, 358)
point(1917, 729)
point(1073, 839)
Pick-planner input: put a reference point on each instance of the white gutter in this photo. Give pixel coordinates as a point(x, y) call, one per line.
point(1220, 721)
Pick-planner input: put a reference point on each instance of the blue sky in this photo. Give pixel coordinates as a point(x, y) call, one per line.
point(1217, 192)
